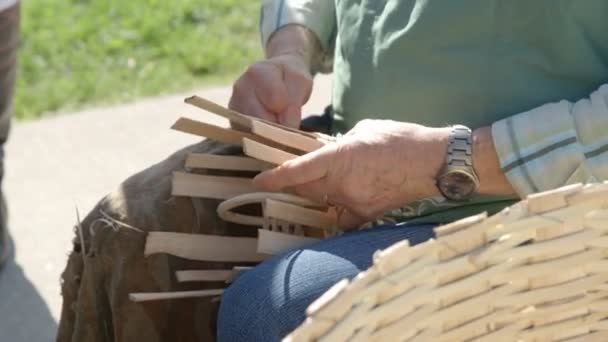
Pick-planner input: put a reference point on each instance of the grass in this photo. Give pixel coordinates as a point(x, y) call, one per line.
point(87, 52)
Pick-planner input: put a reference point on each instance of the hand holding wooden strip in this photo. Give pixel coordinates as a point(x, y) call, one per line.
point(287, 138)
point(148, 296)
point(219, 162)
point(204, 247)
point(299, 215)
point(204, 186)
point(242, 119)
point(266, 153)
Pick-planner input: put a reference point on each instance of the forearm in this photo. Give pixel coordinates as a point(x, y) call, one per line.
point(492, 180)
point(296, 40)
point(556, 144)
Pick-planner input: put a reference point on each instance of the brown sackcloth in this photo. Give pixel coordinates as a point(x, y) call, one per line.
point(96, 284)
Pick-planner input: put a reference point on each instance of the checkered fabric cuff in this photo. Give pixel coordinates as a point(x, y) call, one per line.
point(555, 144)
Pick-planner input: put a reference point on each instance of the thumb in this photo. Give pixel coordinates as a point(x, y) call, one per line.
point(292, 116)
point(298, 89)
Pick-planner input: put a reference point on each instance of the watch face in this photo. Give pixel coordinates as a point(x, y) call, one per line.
point(457, 185)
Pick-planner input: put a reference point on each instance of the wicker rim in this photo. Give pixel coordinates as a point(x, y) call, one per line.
point(483, 279)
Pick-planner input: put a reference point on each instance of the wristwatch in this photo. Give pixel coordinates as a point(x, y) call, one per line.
point(457, 179)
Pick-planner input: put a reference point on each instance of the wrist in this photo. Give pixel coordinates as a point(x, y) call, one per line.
point(436, 150)
point(492, 181)
point(295, 42)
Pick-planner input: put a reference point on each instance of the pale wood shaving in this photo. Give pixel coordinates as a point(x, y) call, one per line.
point(204, 247)
point(266, 153)
point(150, 296)
point(218, 162)
point(205, 186)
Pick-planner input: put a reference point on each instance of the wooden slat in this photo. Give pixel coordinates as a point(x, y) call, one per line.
point(270, 242)
point(217, 133)
point(242, 119)
point(210, 275)
point(203, 275)
point(203, 247)
point(266, 153)
point(287, 138)
point(148, 296)
point(218, 187)
point(218, 162)
point(299, 215)
point(217, 109)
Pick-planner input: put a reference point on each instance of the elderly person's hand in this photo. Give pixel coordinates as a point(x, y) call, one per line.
point(274, 89)
point(379, 165)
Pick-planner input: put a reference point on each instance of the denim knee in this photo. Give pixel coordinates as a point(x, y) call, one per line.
point(269, 301)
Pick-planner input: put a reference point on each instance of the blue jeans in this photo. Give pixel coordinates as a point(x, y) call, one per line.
point(269, 301)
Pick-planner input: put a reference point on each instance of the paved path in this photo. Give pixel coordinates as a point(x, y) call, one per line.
point(57, 164)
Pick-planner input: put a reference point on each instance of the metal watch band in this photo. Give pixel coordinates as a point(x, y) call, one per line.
point(460, 147)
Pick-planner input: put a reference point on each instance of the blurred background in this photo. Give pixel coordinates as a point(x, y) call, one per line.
point(78, 53)
point(99, 83)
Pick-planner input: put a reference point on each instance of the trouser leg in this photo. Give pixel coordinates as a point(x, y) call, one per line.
point(269, 301)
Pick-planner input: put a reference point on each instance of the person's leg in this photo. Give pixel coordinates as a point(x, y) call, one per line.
point(9, 36)
point(269, 301)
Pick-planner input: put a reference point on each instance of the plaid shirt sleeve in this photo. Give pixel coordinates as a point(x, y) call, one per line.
point(556, 144)
point(319, 16)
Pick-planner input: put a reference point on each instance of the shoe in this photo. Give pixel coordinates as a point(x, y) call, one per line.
point(533, 272)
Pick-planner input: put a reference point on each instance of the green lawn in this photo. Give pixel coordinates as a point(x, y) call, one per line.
point(83, 52)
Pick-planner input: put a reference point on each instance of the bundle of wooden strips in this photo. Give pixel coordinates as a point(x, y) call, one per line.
point(287, 221)
point(537, 271)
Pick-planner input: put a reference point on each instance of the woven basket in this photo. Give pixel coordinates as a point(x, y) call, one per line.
point(534, 272)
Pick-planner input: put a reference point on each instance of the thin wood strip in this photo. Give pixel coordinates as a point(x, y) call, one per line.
point(204, 247)
point(217, 133)
point(242, 119)
point(148, 296)
point(266, 153)
point(270, 242)
point(203, 275)
point(213, 132)
point(300, 215)
point(287, 138)
point(218, 162)
point(224, 210)
point(226, 276)
point(205, 186)
point(222, 111)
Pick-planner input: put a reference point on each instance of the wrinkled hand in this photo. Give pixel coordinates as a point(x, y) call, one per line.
point(274, 89)
point(378, 166)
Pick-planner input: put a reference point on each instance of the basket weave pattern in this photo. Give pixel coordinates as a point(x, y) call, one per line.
point(534, 272)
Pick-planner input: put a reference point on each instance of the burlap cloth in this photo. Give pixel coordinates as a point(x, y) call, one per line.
point(107, 262)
